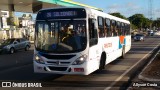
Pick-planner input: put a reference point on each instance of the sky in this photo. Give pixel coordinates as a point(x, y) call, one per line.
point(125, 7)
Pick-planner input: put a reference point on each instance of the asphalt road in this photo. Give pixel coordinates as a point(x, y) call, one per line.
point(19, 66)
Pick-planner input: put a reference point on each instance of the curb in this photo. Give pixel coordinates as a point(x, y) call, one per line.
point(142, 64)
point(140, 76)
point(148, 79)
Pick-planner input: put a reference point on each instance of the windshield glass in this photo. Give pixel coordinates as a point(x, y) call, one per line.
point(8, 41)
point(61, 36)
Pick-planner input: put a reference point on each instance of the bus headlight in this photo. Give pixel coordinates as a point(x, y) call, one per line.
point(38, 59)
point(80, 60)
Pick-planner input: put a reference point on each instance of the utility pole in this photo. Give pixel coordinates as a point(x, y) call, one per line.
point(150, 12)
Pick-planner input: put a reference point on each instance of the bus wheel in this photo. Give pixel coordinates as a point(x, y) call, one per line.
point(102, 61)
point(123, 52)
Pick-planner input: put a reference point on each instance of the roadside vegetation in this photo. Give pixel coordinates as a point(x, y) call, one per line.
point(139, 22)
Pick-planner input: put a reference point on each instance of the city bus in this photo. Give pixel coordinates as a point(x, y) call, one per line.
point(78, 40)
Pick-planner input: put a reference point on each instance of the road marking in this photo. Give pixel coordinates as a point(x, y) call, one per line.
point(119, 78)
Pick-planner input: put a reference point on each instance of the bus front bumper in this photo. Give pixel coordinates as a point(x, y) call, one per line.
point(72, 69)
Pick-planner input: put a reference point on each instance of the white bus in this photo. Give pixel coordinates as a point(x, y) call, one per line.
point(78, 40)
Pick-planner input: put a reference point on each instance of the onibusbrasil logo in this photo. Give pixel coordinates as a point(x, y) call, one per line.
point(15, 84)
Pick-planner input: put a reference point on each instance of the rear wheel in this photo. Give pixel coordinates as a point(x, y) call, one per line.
point(102, 61)
point(11, 51)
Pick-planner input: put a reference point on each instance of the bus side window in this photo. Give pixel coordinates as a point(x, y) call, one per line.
point(128, 29)
point(119, 28)
point(113, 28)
point(108, 27)
point(123, 29)
point(93, 36)
point(101, 30)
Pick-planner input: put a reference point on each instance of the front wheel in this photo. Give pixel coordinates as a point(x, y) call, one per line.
point(102, 61)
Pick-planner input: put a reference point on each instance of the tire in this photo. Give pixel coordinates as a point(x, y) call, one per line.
point(27, 48)
point(102, 61)
point(12, 50)
point(123, 53)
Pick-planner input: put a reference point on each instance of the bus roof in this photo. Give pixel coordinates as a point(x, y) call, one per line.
point(99, 13)
point(96, 12)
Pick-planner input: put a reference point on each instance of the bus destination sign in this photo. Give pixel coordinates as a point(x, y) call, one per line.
point(61, 14)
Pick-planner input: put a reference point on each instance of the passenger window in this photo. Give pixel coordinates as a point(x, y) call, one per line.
point(123, 29)
point(101, 27)
point(128, 29)
point(119, 28)
point(108, 28)
point(114, 29)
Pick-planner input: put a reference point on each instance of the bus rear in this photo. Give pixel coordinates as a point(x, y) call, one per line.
point(61, 41)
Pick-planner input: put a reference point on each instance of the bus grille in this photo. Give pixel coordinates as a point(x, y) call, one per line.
point(58, 68)
point(55, 63)
point(58, 57)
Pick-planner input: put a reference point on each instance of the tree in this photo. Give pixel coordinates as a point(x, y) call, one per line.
point(156, 23)
point(140, 21)
point(24, 15)
point(118, 15)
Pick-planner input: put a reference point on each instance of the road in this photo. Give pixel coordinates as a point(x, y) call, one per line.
point(19, 66)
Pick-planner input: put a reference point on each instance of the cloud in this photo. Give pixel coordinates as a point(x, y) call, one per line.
point(114, 6)
point(157, 10)
point(130, 4)
point(112, 10)
point(127, 9)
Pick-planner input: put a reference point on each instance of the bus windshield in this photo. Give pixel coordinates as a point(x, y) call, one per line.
point(61, 36)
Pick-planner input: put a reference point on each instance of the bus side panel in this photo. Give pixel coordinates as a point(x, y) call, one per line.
point(127, 43)
point(111, 48)
point(94, 58)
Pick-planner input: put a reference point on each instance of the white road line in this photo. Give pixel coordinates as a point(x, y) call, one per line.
point(119, 78)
